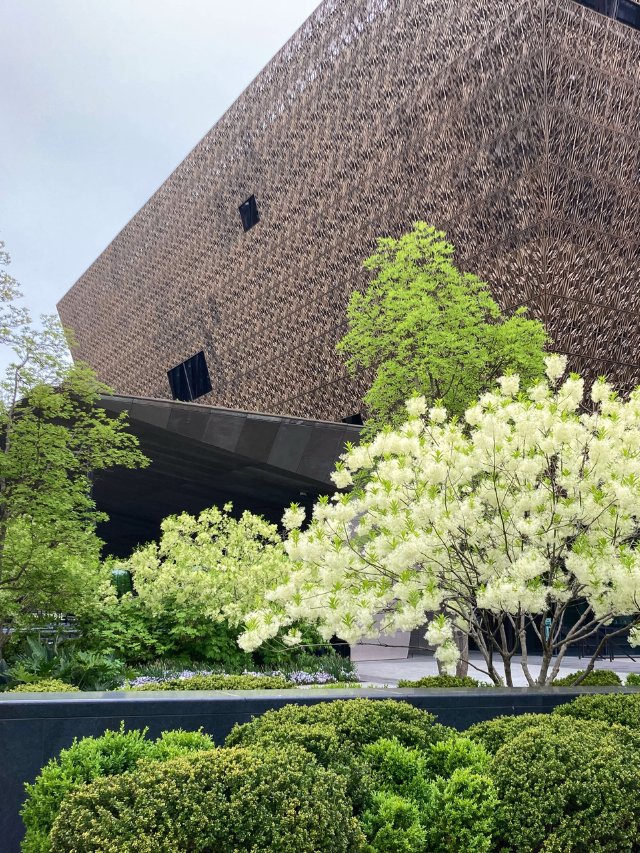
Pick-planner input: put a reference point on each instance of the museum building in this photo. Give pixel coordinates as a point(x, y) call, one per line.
point(514, 125)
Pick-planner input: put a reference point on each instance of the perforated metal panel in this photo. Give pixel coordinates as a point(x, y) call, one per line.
point(514, 125)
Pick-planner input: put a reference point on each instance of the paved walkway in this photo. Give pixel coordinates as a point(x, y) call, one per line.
point(389, 672)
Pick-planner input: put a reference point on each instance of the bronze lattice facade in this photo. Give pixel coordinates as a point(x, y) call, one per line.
point(513, 125)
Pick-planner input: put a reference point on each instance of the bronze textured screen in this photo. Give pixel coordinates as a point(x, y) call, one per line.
point(513, 125)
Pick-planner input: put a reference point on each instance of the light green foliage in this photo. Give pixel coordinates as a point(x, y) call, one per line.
point(568, 786)
point(221, 682)
point(393, 825)
point(439, 796)
point(53, 437)
point(459, 753)
point(393, 765)
point(88, 759)
point(45, 685)
point(440, 681)
point(227, 800)
point(192, 588)
point(423, 326)
point(596, 678)
point(633, 679)
point(460, 814)
point(218, 564)
point(607, 708)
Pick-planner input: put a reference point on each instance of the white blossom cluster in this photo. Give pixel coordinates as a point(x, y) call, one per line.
point(526, 505)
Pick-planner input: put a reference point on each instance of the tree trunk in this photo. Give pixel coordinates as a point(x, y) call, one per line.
point(462, 641)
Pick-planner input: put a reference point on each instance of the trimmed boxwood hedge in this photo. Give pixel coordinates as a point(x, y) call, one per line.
point(47, 685)
point(88, 759)
point(225, 800)
point(568, 785)
point(336, 733)
point(606, 707)
point(440, 681)
point(596, 678)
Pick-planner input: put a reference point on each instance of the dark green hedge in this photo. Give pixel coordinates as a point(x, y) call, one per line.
point(607, 708)
point(568, 785)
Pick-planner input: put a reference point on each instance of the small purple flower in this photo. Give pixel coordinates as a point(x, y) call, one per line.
point(302, 677)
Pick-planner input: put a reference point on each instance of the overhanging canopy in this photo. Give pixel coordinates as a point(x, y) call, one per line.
point(203, 456)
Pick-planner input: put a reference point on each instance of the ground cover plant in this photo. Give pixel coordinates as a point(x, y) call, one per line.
point(45, 685)
point(41, 662)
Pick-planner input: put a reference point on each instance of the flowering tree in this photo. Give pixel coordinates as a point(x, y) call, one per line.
point(498, 525)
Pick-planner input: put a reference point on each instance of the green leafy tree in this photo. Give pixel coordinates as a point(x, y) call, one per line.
point(423, 326)
point(53, 439)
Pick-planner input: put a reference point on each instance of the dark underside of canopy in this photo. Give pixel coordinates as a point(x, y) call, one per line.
point(203, 456)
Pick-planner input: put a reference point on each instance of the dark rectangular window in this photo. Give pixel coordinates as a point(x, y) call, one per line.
point(249, 213)
point(190, 379)
point(353, 419)
point(605, 7)
point(628, 13)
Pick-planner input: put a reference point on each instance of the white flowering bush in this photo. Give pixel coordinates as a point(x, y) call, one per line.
point(493, 526)
point(213, 566)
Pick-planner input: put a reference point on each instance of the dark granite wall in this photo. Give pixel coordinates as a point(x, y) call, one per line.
point(513, 124)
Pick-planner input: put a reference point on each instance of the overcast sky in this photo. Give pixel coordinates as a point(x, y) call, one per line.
point(99, 101)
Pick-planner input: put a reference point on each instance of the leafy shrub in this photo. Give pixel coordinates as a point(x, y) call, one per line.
point(493, 734)
point(90, 758)
point(395, 767)
point(568, 785)
point(440, 681)
point(225, 800)
point(596, 678)
point(633, 679)
point(458, 753)
point(460, 813)
point(607, 708)
point(45, 685)
point(357, 722)
point(86, 670)
point(337, 732)
point(435, 799)
point(220, 682)
point(138, 634)
point(393, 825)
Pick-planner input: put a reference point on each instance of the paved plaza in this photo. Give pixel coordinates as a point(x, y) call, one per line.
point(389, 672)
